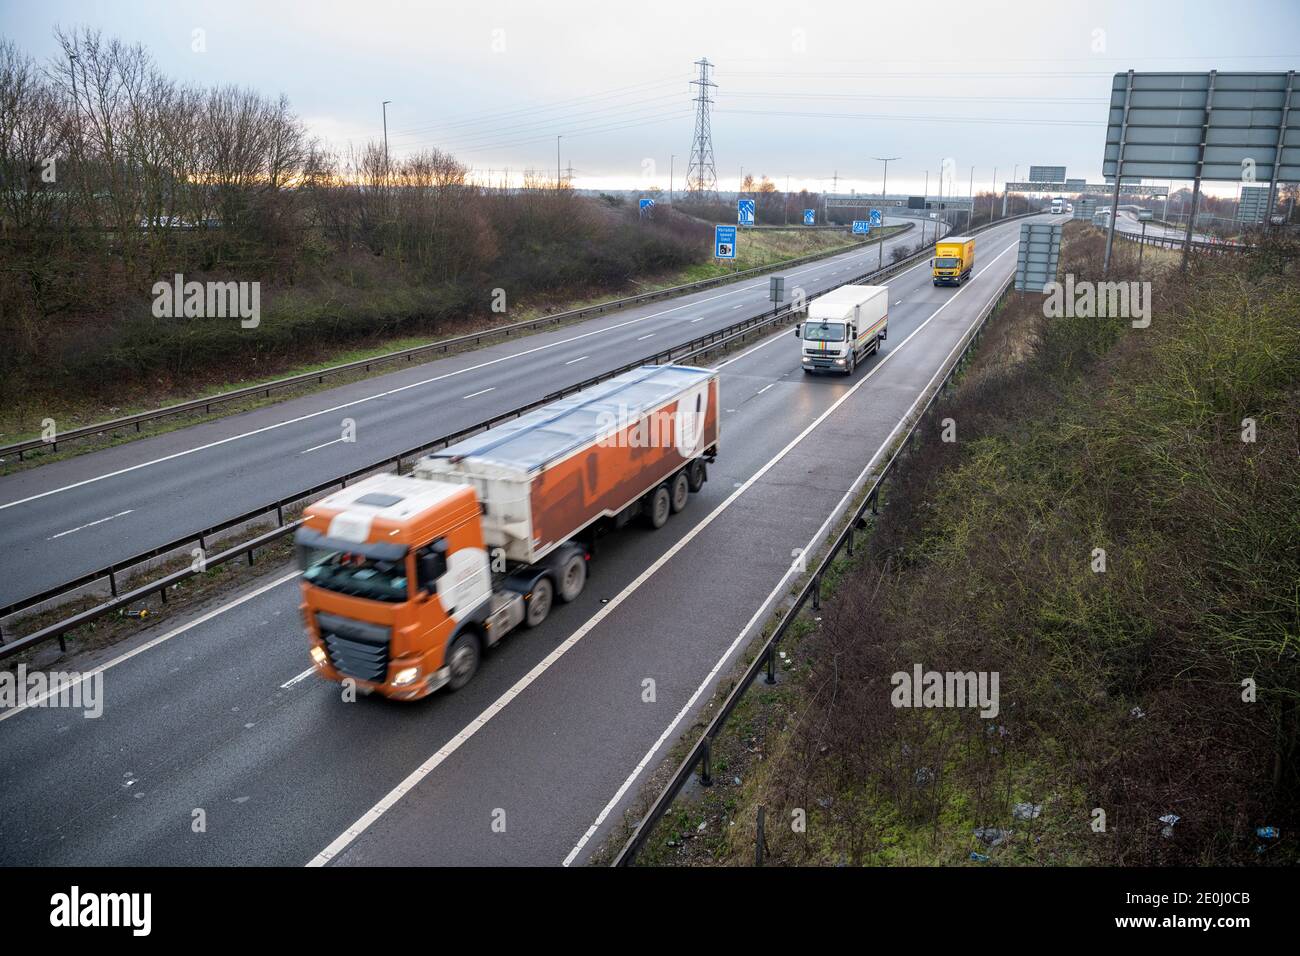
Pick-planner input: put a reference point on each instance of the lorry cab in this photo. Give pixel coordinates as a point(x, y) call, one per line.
point(844, 326)
point(393, 571)
point(954, 258)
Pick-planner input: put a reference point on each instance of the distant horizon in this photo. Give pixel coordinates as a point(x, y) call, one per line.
point(799, 98)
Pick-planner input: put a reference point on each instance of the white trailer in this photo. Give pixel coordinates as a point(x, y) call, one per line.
point(843, 327)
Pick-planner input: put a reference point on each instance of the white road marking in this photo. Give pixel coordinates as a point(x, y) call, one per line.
point(301, 677)
point(89, 524)
point(738, 305)
point(784, 582)
point(700, 319)
point(575, 361)
point(148, 645)
point(765, 388)
point(413, 779)
point(325, 445)
point(481, 391)
point(370, 398)
point(644, 337)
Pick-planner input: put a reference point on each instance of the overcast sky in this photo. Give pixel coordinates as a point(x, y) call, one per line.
point(805, 90)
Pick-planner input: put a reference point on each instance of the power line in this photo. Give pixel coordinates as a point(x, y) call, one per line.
point(533, 109)
point(553, 122)
point(988, 120)
point(506, 138)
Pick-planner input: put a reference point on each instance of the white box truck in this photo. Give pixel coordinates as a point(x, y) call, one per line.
point(843, 327)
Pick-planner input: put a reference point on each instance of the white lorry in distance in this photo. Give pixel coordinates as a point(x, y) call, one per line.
point(843, 327)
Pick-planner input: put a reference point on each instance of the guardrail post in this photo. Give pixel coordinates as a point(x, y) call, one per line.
point(875, 500)
point(112, 583)
point(817, 592)
point(706, 764)
point(250, 556)
point(848, 542)
point(770, 678)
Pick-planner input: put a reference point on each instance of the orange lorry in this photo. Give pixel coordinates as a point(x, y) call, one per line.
point(406, 580)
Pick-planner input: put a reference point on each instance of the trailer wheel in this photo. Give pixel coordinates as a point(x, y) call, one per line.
point(697, 474)
point(659, 507)
point(573, 576)
point(463, 660)
point(681, 492)
point(539, 602)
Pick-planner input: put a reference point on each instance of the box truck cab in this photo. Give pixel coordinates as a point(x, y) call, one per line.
point(954, 258)
point(843, 327)
point(407, 580)
point(1058, 206)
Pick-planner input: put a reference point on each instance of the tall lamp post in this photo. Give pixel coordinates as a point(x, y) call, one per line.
point(884, 181)
point(385, 109)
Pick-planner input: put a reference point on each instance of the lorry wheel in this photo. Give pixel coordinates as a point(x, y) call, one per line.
point(681, 492)
point(697, 474)
point(573, 576)
point(463, 660)
point(539, 602)
point(659, 507)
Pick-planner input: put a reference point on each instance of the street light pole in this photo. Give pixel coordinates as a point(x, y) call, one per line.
point(925, 212)
point(385, 109)
point(971, 193)
point(671, 161)
point(884, 182)
point(993, 197)
point(557, 161)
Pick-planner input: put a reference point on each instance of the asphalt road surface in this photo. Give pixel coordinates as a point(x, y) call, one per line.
point(220, 714)
point(72, 517)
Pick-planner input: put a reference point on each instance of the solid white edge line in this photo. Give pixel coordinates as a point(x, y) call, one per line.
point(391, 799)
point(369, 398)
point(364, 399)
point(764, 608)
point(147, 645)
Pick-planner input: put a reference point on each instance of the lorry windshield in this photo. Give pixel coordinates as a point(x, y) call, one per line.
point(353, 574)
point(946, 262)
point(823, 331)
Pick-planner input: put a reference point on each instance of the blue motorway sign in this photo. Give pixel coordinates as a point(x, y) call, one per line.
point(647, 206)
point(809, 217)
point(745, 212)
point(724, 242)
point(861, 227)
point(876, 218)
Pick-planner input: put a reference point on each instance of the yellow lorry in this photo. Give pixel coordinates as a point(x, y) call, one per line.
point(954, 258)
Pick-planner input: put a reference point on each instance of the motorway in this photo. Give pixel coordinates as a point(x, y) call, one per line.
point(534, 761)
point(72, 517)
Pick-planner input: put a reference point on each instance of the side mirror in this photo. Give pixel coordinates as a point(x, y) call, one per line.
point(433, 564)
point(796, 331)
point(931, 263)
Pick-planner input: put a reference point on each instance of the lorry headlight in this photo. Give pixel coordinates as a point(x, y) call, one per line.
point(406, 675)
point(318, 655)
point(839, 361)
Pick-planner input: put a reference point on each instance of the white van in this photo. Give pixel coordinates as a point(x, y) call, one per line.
point(843, 327)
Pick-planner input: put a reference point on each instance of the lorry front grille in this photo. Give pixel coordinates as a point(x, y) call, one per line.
point(356, 648)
